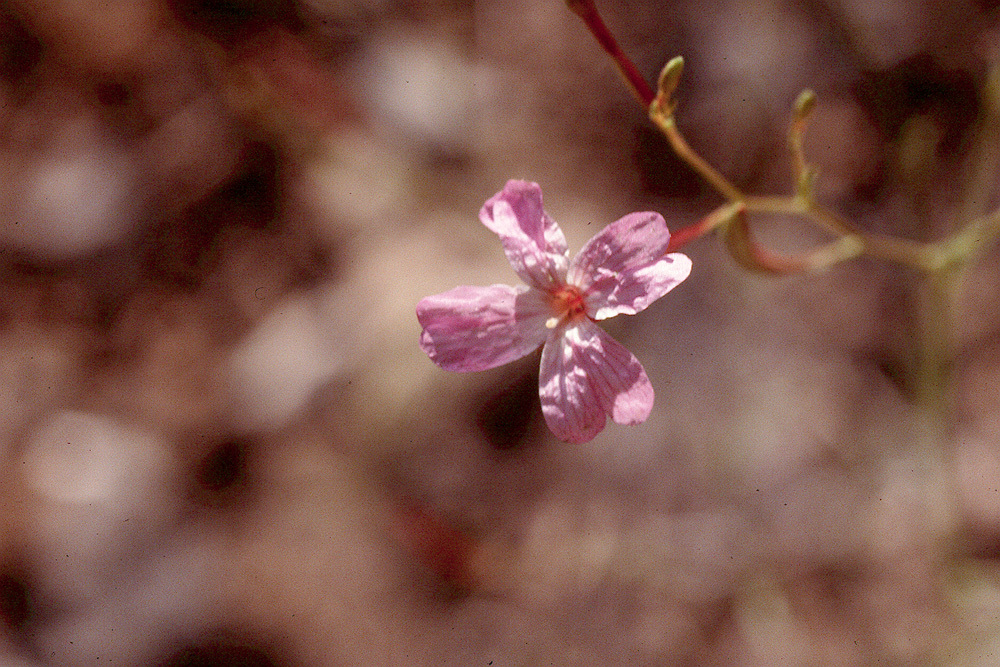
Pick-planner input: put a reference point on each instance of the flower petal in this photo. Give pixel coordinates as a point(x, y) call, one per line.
point(476, 328)
point(623, 268)
point(532, 241)
point(585, 374)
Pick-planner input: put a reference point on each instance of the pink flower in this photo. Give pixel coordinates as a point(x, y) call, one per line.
point(585, 374)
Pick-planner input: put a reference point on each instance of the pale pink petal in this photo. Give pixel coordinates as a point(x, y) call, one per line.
point(532, 241)
point(585, 374)
point(476, 328)
point(570, 405)
point(624, 268)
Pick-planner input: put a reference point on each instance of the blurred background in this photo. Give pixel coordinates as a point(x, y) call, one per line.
point(222, 445)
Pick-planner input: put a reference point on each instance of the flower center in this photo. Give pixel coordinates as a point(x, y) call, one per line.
point(568, 305)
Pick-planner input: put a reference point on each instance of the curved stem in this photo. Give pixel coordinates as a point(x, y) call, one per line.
point(922, 256)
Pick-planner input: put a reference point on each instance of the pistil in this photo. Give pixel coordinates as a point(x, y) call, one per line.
point(568, 304)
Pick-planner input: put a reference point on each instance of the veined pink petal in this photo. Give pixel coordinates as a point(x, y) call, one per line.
point(585, 375)
point(570, 405)
point(533, 242)
point(623, 268)
point(476, 328)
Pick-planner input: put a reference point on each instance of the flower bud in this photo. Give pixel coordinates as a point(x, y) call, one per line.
point(804, 105)
point(670, 77)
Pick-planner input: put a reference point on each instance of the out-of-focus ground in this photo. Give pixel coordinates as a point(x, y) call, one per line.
point(223, 446)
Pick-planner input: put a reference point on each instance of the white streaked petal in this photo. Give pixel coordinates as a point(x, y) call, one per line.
point(475, 328)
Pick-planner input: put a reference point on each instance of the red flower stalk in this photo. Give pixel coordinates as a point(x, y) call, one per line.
point(586, 10)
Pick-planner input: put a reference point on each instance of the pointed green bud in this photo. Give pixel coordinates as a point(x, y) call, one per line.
point(804, 105)
point(670, 77)
point(805, 175)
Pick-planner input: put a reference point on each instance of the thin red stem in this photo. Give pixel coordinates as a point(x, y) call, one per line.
point(586, 10)
point(685, 235)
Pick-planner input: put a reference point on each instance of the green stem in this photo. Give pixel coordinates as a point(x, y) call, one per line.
point(701, 166)
point(933, 395)
point(921, 256)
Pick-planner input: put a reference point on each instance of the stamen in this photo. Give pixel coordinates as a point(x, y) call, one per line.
point(568, 305)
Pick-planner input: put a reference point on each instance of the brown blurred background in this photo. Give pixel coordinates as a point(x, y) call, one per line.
point(223, 447)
